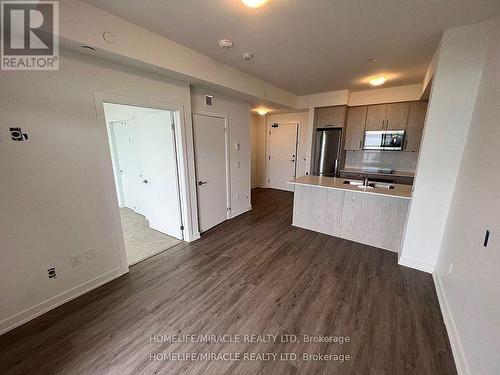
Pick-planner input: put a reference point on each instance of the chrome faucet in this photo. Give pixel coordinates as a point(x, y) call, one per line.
point(365, 181)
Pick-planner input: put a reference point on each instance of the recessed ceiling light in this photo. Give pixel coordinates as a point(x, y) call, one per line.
point(377, 81)
point(247, 56)
point(225, 43)
point(254, 3)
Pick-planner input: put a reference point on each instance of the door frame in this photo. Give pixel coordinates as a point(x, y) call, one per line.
point(297, 133)
point(107, 166)
point(227, 156)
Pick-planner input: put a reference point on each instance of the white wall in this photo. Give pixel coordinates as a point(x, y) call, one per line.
point(304, 128)
point(453, 94)
point(386, 95)
point(470, 295)
point(53, 197)
point(238, 117)
point(366, 97)
point(323, 99)
point(258, 150)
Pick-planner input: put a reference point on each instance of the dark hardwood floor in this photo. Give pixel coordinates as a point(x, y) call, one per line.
point(255, 274)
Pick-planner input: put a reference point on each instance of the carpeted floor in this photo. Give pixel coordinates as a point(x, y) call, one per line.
point(141, 241)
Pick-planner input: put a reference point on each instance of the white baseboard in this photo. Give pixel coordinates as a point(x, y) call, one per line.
point(51, 303)
point(195, 236)
point(240, 211)
point(451, 328)
point(416, 264)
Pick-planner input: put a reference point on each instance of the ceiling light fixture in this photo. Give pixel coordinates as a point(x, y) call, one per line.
point(262, 111)
point(377, 81)
point(254, 3)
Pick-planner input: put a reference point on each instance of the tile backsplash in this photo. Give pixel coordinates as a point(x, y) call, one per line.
point(402, 161)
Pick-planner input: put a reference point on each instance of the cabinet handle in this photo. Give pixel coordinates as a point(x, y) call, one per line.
point(360, 144)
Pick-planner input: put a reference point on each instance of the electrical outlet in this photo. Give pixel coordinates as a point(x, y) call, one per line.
point(238, 164)
point(450, 269)
point(89, 254)
point(75, 259)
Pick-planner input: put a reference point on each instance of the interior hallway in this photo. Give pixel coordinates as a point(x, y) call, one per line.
point(255, 274)
point(141, 241)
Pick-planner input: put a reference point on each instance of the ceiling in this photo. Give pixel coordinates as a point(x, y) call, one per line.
point(311, 46)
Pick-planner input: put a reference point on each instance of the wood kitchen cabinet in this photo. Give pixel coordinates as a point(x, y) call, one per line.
point(397, 116)
point(375, 117)
point(355, 130)
point(415, 126)
point(330, 116)
point(391, 116)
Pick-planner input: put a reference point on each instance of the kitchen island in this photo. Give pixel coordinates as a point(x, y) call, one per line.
point(374, 215)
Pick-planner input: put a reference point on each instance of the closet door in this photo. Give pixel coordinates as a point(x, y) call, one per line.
point(159, 177)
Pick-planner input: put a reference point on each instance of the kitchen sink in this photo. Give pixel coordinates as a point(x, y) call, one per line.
point(370, 185)
point(353, 182)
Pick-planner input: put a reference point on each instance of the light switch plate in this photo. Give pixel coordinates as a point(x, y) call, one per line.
point(75, 260)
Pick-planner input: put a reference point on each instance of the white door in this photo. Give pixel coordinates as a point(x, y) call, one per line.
point(128, 151)
point(210, 158)
point(159, 173)
point(281, 156)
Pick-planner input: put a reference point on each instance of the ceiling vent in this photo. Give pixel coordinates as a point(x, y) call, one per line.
point(247, 56)
point(225, 43)
point(209, 100)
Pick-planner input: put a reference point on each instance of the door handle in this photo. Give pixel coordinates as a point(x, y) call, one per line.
point(202, 182)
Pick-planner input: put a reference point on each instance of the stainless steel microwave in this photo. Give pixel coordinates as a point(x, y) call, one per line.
point(384, 140)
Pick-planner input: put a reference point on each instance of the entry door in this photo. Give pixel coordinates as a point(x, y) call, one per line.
point(282, 156)
point(210, 158)
point(159, 173)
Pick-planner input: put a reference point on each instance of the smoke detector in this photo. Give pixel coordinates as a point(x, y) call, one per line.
point(247, 56)
point(225, 43)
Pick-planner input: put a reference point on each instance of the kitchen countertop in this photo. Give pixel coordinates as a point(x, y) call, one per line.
point(399, 191)
point(374, 172)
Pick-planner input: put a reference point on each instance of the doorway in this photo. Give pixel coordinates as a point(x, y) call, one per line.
point(281, 155)
point(212, 169)
point(143, 149)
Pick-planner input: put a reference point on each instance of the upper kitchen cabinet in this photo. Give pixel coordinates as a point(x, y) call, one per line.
point(391, 116)
point(376, 116)
point(330, 116)
point(397, 116)
point(415, 127)
point(355, 130)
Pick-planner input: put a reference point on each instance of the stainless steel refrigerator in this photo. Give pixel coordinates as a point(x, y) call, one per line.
point(327, 144)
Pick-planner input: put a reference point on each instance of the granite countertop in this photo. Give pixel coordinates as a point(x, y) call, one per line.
point(375, 172)
point(399, 191)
